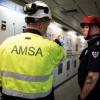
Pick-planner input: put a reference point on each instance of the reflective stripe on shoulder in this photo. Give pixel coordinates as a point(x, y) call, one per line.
point(26, 95)
point(25, 77)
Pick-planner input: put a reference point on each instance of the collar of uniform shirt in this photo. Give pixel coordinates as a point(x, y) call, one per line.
point(32, 31)
point(93, 41)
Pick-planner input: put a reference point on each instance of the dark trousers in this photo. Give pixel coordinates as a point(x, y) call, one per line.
point(93, 96)
point(49, 97)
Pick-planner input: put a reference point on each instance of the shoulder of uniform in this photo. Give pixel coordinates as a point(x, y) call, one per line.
point(9, 39)
point(95, 50)
point(97, 43)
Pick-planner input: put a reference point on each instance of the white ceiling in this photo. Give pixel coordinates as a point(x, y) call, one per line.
point(71, 12)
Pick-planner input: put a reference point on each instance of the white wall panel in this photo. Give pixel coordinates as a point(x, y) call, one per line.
point(7, 16)
point(13, 20)
point(19, 22)
point(59, 77)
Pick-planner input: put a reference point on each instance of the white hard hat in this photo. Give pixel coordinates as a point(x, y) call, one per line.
point(37, 10)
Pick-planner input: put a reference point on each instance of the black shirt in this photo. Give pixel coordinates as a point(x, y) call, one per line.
point(90, 62)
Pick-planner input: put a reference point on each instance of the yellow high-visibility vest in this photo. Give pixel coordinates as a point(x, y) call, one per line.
point(27, 61)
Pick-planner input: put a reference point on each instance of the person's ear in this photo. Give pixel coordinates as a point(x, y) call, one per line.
point(97, 29)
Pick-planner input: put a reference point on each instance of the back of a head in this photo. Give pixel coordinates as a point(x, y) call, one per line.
point(37, 10)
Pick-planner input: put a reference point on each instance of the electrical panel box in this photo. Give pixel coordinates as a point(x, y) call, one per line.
point(11, 22)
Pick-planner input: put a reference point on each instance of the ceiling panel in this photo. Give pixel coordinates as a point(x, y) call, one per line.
point(65, 4)
point(88, 6)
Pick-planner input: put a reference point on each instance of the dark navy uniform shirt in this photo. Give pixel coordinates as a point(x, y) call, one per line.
point(90, 62)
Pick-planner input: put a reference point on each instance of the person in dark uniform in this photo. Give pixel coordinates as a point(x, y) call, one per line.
point(89, 68)
point(27, 60)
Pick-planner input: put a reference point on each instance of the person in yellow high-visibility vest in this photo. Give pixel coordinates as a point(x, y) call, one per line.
point(27, 60)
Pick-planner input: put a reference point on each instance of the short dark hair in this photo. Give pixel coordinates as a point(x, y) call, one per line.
point(29, 20)
point(33, 20)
